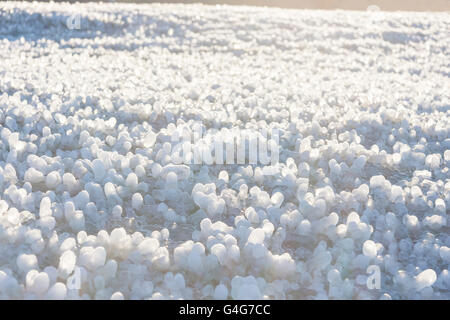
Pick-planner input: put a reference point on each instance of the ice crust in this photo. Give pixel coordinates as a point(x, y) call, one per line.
point(90, 186)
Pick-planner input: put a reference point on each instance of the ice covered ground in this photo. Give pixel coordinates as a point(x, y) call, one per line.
point(91, 199)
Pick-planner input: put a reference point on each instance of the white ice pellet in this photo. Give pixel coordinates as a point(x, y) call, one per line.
point(45, 207)
point(245, 288)
point(435, 222)
point(67, 263)
point(81, 199)
point(52, 180)
point(444, 253)
point(256, 236)
point(252, 215)
point(70, 182)
point(137, 201)
point(334, 276)
point(425, 279)
point(304, 227)
point(277, 199)
point(26, 262)
point(148, 246)
point(99, 169)
point(149, 139)
point(370, 249)
point(117, 211)
point(182, 171)
point(221, 292)
point(92, 258)
point(48, 223)
point(171, 180)
point(132, 181)
point(34, 176)
point(117, 296)
point(37, 282)
point(57, 292)
point(220, 252)
point(140, 171)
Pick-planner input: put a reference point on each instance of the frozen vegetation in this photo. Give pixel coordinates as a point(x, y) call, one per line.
point(94, 204)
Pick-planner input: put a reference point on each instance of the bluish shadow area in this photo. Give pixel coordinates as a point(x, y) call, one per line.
point(55, 26)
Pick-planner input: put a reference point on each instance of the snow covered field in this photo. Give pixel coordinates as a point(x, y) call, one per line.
point(95, 204)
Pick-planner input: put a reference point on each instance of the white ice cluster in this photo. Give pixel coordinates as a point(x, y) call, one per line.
point(95, 204)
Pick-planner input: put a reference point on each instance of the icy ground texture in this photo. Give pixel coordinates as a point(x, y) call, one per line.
point(362, 103)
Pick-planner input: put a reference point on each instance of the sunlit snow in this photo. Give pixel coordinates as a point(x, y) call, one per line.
point(95, 203)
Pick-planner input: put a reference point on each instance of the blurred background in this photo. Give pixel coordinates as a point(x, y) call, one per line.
point(385, 5)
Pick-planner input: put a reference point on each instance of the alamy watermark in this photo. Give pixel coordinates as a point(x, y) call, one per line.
point(196, 145)
point(374, 278)
point(74, 22)
point(74, 281)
